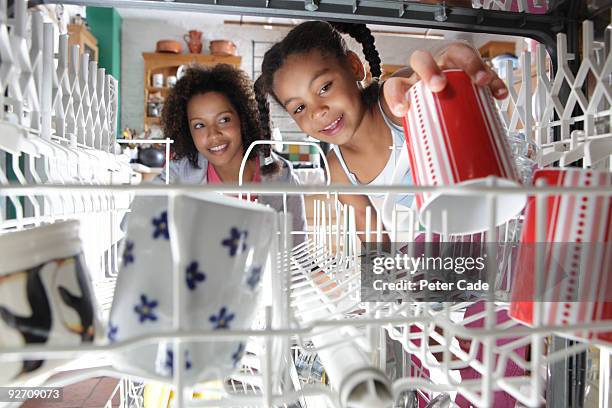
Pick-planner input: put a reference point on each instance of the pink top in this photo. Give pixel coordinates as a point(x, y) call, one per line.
point(213, 177)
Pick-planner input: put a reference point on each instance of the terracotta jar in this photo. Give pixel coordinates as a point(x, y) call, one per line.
point(194, 41)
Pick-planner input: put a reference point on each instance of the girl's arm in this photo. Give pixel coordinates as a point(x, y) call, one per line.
point(424, 66)
point(359, 202)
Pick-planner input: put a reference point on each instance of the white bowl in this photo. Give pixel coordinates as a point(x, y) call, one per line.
point(221, 245)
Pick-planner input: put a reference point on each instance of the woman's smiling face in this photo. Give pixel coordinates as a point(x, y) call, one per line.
point(215, 128)
point(321, 94)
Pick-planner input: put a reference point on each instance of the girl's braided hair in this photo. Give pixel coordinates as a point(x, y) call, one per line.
point(237, 87)
point(325, 37)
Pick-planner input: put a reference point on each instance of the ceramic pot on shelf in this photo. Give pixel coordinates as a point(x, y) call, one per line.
point(222, 48)
point(194, 41)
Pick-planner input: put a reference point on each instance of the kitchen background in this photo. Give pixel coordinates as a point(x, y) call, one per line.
point(123, 36)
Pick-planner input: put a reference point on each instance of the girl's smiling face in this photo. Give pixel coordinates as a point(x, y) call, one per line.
point(321, 94)
point(215, 128)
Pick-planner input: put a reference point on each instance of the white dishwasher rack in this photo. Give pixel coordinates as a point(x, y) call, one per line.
point(59, 119)
point(323, 298)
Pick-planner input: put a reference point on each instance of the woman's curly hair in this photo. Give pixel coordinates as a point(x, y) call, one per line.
point(226, 80)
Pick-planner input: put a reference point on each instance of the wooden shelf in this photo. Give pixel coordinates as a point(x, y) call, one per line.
point(495, 48)
point(152, 120)
point(167, 65)
point(389, 69)
point(78, 34)
point(155, 89)
point(162, 59)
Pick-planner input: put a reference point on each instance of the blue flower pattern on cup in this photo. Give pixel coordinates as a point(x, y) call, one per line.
point(221, 321)
point(170, 361)
point(112, 332)
point(254, 277)
point(161, 226)
point(193, 276)
point(128, 253)
point(236, 241)
point(237, 356)
point(145, 309)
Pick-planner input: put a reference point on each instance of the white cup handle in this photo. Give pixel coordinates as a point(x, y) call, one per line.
point(401, 167)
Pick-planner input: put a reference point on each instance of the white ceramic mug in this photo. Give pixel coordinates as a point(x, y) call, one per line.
point(157, 80)
point(46, 297)
point(221, 244)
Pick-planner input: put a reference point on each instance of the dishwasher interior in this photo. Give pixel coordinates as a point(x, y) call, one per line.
point(315, 342)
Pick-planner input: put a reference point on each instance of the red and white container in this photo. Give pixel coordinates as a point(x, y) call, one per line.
point(455, 137)
point(577, 264)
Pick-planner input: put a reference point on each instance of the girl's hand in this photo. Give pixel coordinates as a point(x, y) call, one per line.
point(428, 69)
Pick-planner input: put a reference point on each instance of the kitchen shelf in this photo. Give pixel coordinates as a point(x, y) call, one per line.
point(154, 60)
point(158, 89)
point(78, 34)
point(167, 64)
point(495, 48)
point(152, 120)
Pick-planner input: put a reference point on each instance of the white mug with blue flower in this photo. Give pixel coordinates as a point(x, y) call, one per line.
point(220, 245)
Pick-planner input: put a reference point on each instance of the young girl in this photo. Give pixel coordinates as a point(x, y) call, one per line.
point(212, 116)
point(313, 75)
